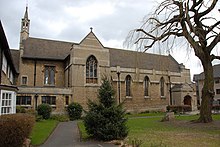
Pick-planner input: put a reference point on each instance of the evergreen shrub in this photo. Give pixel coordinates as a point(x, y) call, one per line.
point(106, 120)
point(44, 110)
point(74, 111)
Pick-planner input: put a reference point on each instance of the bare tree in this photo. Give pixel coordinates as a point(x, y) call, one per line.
point(194, 21)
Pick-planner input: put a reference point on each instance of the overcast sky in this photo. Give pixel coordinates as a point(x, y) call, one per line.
point(70, 20)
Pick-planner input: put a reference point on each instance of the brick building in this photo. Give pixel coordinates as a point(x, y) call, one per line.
point(58, 73)
point(199, 79)
point(8, 76)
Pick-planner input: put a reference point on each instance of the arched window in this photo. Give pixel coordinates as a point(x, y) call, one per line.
point(91, 70)
point(128, 85)
point(146, 86)
point(162, 86)
point(49, 75)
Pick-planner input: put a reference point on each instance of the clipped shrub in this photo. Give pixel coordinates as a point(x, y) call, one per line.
point(60, 117)
point(44, 110)
point(20, 109)
point(15, 128)
point(74, 111)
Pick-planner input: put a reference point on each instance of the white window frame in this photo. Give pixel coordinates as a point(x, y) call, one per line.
point(7, 102)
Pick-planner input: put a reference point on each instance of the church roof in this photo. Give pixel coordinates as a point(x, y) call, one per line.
point(46, 49)
point(133, 59)
point(59, 50)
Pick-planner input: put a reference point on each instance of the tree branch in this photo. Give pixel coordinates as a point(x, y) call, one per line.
point(209, 9)
point(213, 57)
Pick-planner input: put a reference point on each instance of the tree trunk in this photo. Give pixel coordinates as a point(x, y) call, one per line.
point(207, 92)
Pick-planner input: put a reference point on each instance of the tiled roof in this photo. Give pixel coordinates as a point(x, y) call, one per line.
point(133, 59)
point(15, 56)
point(46, 49)
point(58, 50)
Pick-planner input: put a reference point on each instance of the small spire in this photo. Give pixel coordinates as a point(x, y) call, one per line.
point(91, 29)
point(26, 13)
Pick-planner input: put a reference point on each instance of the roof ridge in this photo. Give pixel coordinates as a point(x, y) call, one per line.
point(133, 51)
point(45, 39)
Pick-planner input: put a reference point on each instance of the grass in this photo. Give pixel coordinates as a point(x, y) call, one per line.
point(42, 130)
point(145, 114)
point(152, 132)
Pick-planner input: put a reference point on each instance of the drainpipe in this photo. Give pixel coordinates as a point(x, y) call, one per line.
point(36, 97)
point(35, 64)
point(118, 73)
point(170, 91)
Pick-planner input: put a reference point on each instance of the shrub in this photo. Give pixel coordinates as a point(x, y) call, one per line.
point(20, 109)
point(14, 129)
point(31, 111)
point(106, 120)
point(44, 110)
point(74, 111)
point(60, 117)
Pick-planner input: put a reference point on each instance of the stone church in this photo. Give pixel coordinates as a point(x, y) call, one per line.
point(59, 72)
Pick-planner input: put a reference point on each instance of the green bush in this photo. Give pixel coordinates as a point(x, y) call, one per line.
point(20, 109)
point(14, 129)
point(106, 120)
point(74, 111)
point(44, 110)
point(60, 117)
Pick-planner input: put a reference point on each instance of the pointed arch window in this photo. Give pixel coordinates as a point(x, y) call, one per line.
point(146, 86)
point(128, 85)
point(91, 70)
point(49, 75)
point(162, 87)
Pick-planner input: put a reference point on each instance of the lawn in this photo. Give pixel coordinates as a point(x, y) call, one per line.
point(179, 133)
point(42, 130)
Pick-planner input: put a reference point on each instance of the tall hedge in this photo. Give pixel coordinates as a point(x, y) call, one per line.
point(14, 129)
point(106, 120)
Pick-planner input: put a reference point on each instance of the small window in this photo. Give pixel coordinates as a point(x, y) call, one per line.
point(51, 100)
point(23, 100)
point(217, 91)
point(217, 81)
point(162, 87)
point(67, 100)
point(128, 85)
point(11, 77)
point(146, 86)
point(4, 64)
point(49, 75)
point(24, 80)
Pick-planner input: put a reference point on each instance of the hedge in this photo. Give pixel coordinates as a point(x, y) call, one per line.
point(14, 129)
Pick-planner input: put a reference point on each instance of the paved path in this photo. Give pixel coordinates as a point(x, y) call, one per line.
point(66, 134)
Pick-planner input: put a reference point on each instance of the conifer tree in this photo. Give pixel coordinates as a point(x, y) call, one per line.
point(106, 120)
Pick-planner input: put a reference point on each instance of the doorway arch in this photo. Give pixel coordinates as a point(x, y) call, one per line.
point(187, 100)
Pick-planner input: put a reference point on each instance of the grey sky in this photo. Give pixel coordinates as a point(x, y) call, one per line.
point(70, 20)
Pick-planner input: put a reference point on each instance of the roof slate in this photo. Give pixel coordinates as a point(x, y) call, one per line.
point(133, 59)
point(16, 57)
point(59, 50)
point(46, 49)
